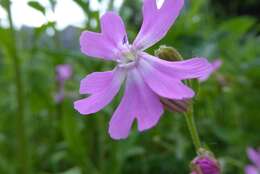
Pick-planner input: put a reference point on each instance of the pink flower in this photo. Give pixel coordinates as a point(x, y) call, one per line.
point(216, 64)
point(63, 73)
point(254, 156)
point(147, 77)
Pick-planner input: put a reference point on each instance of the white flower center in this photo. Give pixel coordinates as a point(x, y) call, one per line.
point(127, 56)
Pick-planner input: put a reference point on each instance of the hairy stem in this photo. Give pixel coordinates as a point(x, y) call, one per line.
point(193, 129)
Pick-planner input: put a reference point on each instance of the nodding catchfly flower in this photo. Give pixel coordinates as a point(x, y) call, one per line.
point(63, 73)
point(147, 77)
point(254, 156)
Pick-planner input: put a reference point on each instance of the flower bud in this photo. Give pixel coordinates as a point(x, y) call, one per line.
point(205, 163)
point(171, 54)
point(176, 105)
point(168, 53)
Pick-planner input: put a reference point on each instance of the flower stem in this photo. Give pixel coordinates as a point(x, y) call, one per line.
point(192, 128)
point(172, 54)
point(22, 151)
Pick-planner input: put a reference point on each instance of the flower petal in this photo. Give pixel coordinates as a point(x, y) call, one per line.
point(95, 82)
point(149, 107)
point(157, 22)
point(162, 84)
point(99, 100)
point(114, 29)
point(215, 66)
point(186, 69)
point(104, 45)
point(250, 169)
point(254, 156)
point(97, 45)
point(138, 102)
point(122, 119)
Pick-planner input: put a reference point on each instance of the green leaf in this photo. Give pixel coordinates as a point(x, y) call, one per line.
point(238, 26)
point(75, 170)
point(195, 85)
point(37, 6)
point(5, 40)
point(40, 30)
point(83, 5)
point(5, 3)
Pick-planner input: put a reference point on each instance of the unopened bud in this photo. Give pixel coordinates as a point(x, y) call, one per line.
point(176, 105)
point(168, 53)
point(171, 54)
point(205, 163)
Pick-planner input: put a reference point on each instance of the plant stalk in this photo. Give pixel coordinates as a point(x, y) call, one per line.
point(22, 151)
point(192, 128)
point(172, 54)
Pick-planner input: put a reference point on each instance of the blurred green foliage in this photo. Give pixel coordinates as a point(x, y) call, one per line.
point(239, 7)
point(59, 140)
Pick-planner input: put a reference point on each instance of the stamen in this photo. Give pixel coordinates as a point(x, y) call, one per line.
point(124, 40)
point(127, 65)
point(127, 56)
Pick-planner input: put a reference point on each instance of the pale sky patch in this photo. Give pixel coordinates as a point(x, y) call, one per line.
point(66, 13)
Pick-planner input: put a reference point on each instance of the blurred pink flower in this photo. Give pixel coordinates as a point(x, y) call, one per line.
point(216, 64)
point(254, 156)
point(147, 77)
point(63, 73)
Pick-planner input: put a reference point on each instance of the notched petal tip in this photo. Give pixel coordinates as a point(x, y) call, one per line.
point(88, 105)
point(113, 28)
point(78, 107)
point(92, 44)
point(207, 69)
point(82, 41)
point(197, 67)
point(96, 45)
point(96, 82)
point(190, 94)
point(108, 15)
point(149, 124)
point(156, 21)
point(82, 87)
point(120, 124)
point(116, 135)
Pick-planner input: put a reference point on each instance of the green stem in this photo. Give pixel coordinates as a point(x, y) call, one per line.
point(111, 5)
point(22, 151)
point(101, 143)
point(193, 129)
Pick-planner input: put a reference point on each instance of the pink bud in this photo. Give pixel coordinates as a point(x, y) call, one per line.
point(205, 164)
